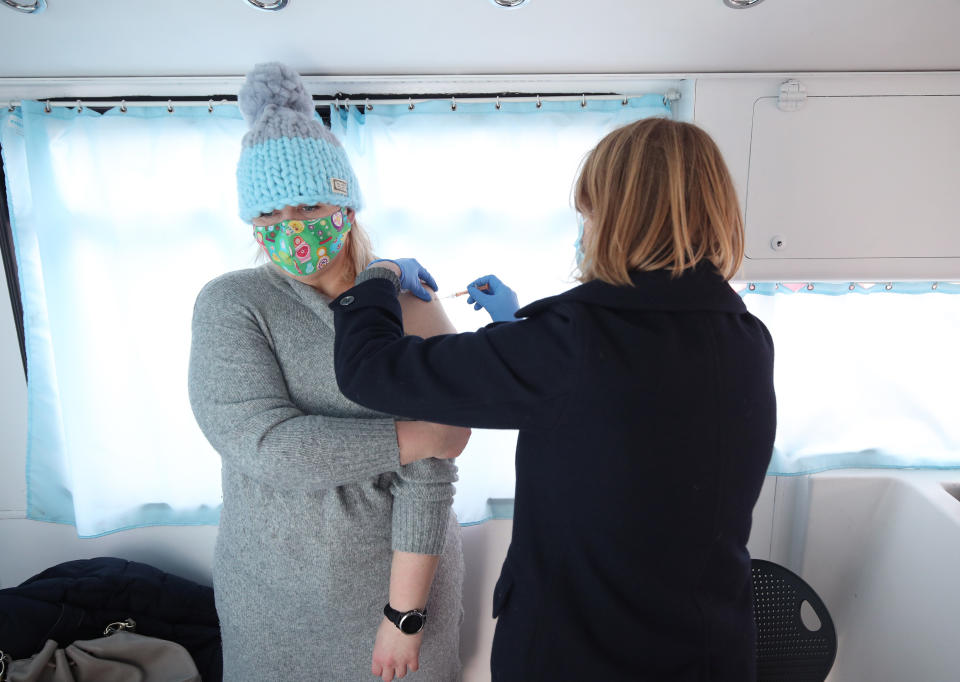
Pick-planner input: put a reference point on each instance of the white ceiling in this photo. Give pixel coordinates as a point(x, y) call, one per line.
point(393, 37)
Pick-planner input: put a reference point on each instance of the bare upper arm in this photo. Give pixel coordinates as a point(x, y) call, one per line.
point(423, 318)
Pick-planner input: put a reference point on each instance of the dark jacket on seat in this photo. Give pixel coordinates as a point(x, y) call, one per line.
point(646, 420)
point(78, 599)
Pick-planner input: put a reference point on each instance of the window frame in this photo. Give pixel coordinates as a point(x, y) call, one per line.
point(8, 251)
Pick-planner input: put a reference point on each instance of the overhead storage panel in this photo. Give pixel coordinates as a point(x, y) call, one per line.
point(867, 177)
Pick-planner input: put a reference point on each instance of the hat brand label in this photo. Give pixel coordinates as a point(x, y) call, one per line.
point(339, 186)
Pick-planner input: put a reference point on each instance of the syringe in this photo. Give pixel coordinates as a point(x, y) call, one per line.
point(482, 287)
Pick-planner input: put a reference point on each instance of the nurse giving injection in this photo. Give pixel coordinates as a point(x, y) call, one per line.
point(646, 414)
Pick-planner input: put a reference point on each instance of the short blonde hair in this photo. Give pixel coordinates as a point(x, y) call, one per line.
point(658, 196)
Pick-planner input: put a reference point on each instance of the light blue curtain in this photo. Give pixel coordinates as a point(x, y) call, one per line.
point(866, 373)
point(474, 191)
point(119, 219)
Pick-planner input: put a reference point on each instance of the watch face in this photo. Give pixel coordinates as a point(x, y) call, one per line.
point(411, 623)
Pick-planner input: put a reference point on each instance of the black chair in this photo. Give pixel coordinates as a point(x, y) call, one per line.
point(787, 651)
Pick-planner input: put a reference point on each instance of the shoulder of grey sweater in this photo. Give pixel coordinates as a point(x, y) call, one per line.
point(236, 287)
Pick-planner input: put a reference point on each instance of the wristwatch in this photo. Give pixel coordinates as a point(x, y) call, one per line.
point(409, 622)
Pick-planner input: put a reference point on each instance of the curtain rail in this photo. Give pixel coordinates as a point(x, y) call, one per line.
point(669, 96)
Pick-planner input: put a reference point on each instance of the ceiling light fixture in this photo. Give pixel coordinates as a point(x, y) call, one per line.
point(509, 4)
point(741, 4)
point(274, 6)
point(32, 8)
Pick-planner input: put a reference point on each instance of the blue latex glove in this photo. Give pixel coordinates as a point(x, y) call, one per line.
point(411, 272)
point(498, 299)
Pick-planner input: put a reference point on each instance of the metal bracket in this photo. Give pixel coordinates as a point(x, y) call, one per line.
point(793, 95)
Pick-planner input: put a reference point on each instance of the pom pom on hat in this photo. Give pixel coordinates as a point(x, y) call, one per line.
point(273, 83)
point(288, 156)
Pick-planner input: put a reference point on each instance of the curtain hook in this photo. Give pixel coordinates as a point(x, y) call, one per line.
point(810, 287)
point(79, 106)
point(583, 100)
point(752, 286)
point(539, 103)
point(169, 106)
point(123, 106)
point(410, 100)
point(11, 106)
point(934, 286)
point(624, 102)
point(888, 286)
point(46, 107)
point(852, 286)
point(367, 105)
point(210, 107)
point(453, 104)
point(498, 102)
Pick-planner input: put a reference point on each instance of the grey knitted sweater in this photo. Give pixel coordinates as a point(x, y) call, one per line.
point(314, 498)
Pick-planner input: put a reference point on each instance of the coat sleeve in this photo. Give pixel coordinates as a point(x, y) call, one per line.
point(519, 375)
point(240, 400)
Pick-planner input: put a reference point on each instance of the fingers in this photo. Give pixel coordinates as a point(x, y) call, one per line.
point(481, 281)
point(474, 297)
point(422, 294)
point(428, 278)
point(388, 673)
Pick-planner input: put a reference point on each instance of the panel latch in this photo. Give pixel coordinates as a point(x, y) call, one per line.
point(793, 95)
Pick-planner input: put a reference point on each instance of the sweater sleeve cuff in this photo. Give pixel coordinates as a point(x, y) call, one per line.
point(378, 273)
point(420, 526)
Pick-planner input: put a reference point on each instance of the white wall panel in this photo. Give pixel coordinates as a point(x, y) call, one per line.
point(855, 177)
point(859, 182)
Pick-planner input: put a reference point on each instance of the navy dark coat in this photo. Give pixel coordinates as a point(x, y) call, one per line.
point(646, 420)
point(78, 599)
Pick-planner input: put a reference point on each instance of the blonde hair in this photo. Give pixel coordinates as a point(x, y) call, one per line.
point(359, 252)
point(658, 195)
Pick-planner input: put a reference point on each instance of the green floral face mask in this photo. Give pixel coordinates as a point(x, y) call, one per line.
point(303, 247)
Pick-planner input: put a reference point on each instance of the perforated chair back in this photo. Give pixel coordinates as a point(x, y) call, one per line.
point(787, 651)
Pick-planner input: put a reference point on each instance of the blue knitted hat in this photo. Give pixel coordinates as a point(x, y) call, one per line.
point(288, 157)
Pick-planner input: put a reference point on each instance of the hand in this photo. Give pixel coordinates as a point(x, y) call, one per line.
point(395, 652)
point(411, 272)
point(498, 300)
point(419, 440)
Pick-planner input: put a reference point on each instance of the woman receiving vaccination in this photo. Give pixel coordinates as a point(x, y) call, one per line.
point(338, 555)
